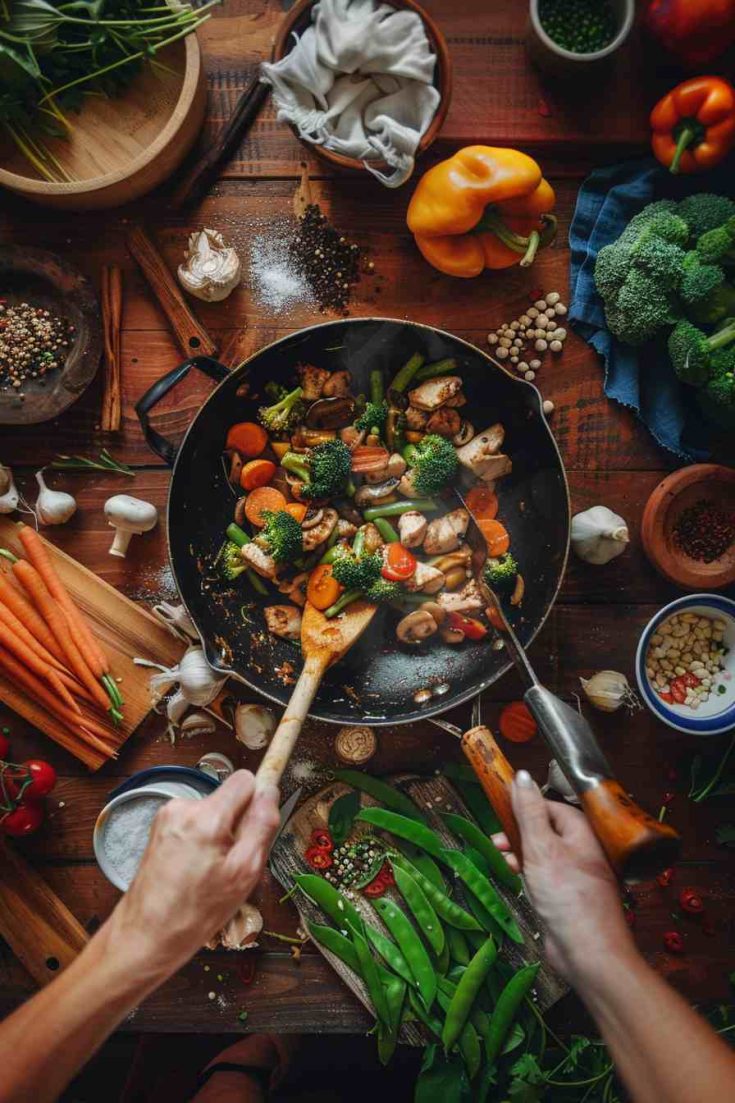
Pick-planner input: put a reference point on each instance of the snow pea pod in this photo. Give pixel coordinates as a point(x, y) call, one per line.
point(390, 953)
point(468, 1042)
point(479, 885)
point(371, 976)
point(442, 904)
point(466, 992)
point(326, 896)
point(425, 863)
point(474, 837)
point(410, 946)
point(506, 1009)
point(421, 909)
point(431, 1023)
point(380, 791)
point(459, 951)
point(336, 943)
point(404, 828)
point(486, 921)
point(443, 960)
point(395, 995)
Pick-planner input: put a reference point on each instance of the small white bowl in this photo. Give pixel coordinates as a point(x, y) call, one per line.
point(716, 715)
point(549, 55)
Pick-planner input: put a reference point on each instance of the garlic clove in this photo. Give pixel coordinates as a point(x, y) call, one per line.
point(197, 723)
point(254, 726)
point(53, 507)
point(243, 929)
point(608, 690)
point(9, 496)
point(211, 270)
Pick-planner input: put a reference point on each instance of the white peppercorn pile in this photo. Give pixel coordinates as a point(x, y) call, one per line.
point(33, 342)
point(523, 341)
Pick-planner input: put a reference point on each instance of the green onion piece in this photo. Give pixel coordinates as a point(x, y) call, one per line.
point(237, 536)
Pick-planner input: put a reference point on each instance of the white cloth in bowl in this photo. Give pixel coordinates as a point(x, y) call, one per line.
point(359, 82)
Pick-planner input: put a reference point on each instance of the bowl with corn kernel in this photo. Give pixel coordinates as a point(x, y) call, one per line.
point(685, 664)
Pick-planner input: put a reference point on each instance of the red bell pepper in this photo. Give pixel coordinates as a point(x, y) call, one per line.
point(695, 32)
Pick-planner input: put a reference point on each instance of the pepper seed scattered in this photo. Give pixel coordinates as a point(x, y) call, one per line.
point(33, 342)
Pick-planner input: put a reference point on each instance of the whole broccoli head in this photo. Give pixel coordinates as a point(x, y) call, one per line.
point(704, 212)
point(324, 470)
point(281, 536)
point(500, 573)
point(434, 462)
point(718, 246)
point(357, 572)
point(284, 414)
point(373, 417)
point(690, 350)
point(230, 562)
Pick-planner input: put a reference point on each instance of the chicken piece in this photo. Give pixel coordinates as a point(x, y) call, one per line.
point(295, 588)
point(426, 579)
point(444, 534)
point(351, 436)
point(312, 380)
point(412, 528)
point(457, 400)
point(315, 535)
point(466, 600)
point(337, 385)
point(345, 529)
point(406, 486)
point(434, 392)
point(284, 621)
point(259, 560)
point(444, 422)
point(482, 455)
point(394, 468)
point(416, 419)
point(373, 540)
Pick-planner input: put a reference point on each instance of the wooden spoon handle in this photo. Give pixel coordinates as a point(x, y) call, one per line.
point(495, 774)
point(637, 846)
point(276, 758)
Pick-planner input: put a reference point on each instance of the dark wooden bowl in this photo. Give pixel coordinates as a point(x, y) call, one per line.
point(298, 19)
point(44, 279)
point(672, 496)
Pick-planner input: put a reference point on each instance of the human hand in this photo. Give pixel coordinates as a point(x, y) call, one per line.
point(203, 860)
point(568, 880)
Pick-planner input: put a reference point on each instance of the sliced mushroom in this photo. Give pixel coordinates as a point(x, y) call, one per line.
point(438, 613)
point(337, 385)
point(416, 627)
point(459, 558)
point(331, 413)
point(303, 437)
point(444, 534)
point(394, 468)
point(482, 455)
point(312, 518)
point(434, 392)
point(315, 536)
point(466, 600)
point(284, 621)
point(295, 588)
point(464, 435)
point(372, 540)
point(412, 528)
point(444, 422)
point(416, 419)
point(312, 380)
point(235, 466)
point(239, 514)
point(259, 560)
point(427, 579)
point(371, 493)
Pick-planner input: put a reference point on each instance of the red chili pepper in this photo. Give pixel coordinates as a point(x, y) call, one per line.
point(473, 629)
point(691, 902)
point(690, 680)
point(376, 887)
point(667, 697)
point(679, 690)
point(674, 942)
point(386, 874)
point(665, 877)
point(322, 840)
point(400, 563)
point(318, 859)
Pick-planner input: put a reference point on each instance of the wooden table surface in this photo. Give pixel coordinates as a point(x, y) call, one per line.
point(610, 459)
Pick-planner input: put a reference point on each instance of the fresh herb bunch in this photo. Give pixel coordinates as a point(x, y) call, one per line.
point(52, 54)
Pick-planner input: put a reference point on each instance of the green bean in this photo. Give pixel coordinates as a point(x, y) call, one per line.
point(395, 995)
point(377, 388)
point(422, 911)
point(467, 991)
point(446, 366)
point(443, 905)
point(506, 1009)
point(371, 977)
point(474, 837)
point(386, 794)
point(468, 1042)
point(431, 1023)
point(390, 953)
point(479, 885)
point(336, 943)
point(404, 828)
point(386, 530)
point(410, 946)
point(459, 951)
point(358, 543)
point(395, 509)
point(407, 372)
point(326, 896)
point(341, 603)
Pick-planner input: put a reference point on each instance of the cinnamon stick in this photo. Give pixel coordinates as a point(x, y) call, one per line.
point(112, 290)
point(192, 337)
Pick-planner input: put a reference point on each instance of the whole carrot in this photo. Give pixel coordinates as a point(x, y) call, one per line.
point(19, 605)
point(88, 645)
point(28, 639)
point(30, 660)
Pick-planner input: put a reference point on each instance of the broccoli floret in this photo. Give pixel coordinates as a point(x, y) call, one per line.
point(611, 268)
point(434, 462)
point(690, 350)
point(662, 260)
point(500, 573)
point(357, 572)
point(280, 536)
point(284, 414)
point(650, 213)
point(664, 225)
point(383, 591)
point(231, 563)
point(275, 391)
point(324, 469)
point(699, 279)
point(721, 383)
point(640, 309)
point(373, 417)
point(703, 212)
point(717, 306)
point(718, 246)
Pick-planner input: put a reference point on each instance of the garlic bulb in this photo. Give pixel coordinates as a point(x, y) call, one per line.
point(241, 931)
point(176, 618)
point(198, 683)
point(254, 726)
point(598, 535)
point(211, 269)
point(557, 781)
point(9, 496)
point(608, 690)
point(53, 507)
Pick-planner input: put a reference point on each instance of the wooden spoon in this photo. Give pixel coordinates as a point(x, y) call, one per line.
point(323, 642)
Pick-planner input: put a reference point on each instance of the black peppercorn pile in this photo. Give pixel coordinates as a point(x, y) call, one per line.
point(33, 342)
point(328, 261)
point(705, 532)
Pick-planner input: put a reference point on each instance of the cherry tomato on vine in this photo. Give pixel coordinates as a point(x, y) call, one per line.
point(43, 778)
point(23, 820)
point(400, 563)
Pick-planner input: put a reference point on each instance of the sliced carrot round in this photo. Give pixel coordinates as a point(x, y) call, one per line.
point(323, 589)
point(257, 473)
point(297, 510)
point(248, 438)
point(496, 537)
point(483, 502)
point(260, 500)
point(516, 723)
point(495, 618)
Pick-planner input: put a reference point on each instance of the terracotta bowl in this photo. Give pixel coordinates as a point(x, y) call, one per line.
point(672, 496)
point(299, 18)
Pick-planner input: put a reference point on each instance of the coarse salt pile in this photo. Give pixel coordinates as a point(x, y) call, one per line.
point(273, 275)
point(127, 832)
point(685, 657)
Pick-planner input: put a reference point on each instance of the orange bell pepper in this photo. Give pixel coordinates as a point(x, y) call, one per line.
point(485, 207)
point(694, 125)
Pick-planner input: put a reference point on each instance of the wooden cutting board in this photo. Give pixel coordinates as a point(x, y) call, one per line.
point(126, 631)
point(432, 795)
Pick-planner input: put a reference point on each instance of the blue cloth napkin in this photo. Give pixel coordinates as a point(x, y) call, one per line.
point(641, 378)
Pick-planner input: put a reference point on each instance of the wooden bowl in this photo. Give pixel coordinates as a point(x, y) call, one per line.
point(122, 147)
point(672, 496)
point(43, 279)
point(299, 18)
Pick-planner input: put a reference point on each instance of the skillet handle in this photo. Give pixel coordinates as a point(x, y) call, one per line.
point(163, 447)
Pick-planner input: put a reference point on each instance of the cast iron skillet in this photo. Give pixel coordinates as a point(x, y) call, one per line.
point(376, 682)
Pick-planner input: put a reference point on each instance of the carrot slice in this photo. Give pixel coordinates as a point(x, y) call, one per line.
point(496, 536)
point(297, 510)
point(495, 618)
point(516, 723)
point(483, 502)
point(247, 438)
point(323, 588)
point(257, 473)
point(260, 500)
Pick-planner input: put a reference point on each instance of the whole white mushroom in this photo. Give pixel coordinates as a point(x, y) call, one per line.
point(130, 517)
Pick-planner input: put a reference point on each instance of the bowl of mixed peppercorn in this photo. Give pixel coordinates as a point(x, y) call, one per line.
point(50, 335)
point(571, 36)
